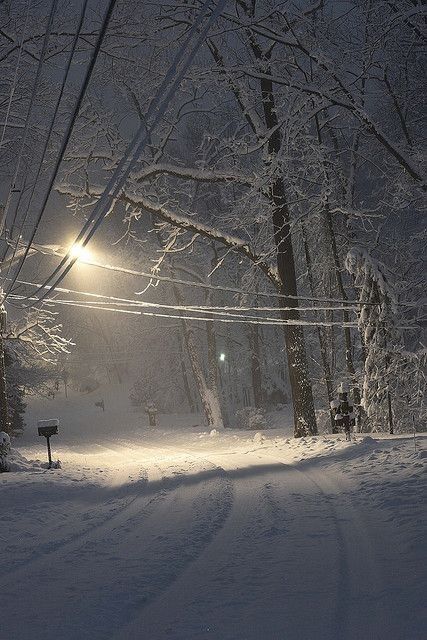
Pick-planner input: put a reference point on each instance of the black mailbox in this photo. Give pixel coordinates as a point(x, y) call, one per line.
point(48, 431)
point(48, 428)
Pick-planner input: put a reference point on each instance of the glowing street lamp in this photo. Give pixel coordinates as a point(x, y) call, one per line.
point(222, 357)
point(80, 253)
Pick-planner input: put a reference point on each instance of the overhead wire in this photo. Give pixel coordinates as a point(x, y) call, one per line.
point(192, 309)
point(347, 304)
point(156, 111)
point(182, 316)
point(113, 303)
point(123, 177)
point(117, 188)
point(202, 308)
point(203, 285)
point(130, 146)
point(114, 300)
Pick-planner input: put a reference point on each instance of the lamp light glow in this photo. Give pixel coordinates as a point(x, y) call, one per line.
point(82, 254)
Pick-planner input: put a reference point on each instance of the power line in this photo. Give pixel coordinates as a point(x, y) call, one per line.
point(117, 301)
point(193, 309)
point(245, 320)
point(351, 305)
point(109, 304)
point(202, 285)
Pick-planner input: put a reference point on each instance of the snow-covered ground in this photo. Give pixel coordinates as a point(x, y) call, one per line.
point(175, 533)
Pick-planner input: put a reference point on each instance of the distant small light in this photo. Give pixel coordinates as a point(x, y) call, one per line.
point(222, 357)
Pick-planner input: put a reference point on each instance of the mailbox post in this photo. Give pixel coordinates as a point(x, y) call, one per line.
point(151, 411)
point(343, 412)
point(48, 428)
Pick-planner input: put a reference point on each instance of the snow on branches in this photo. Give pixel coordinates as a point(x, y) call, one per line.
point(40, 333)
point(391, 374)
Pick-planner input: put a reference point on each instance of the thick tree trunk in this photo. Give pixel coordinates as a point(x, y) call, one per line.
point(302, 394)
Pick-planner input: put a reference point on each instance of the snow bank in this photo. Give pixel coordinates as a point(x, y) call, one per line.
point(18, 462)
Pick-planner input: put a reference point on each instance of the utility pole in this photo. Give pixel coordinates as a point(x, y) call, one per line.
point(4, 413)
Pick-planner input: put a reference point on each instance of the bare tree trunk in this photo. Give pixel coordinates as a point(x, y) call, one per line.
point(320, 331)
point(330, 232)
point(302, 393)
point(345, 314)
point(185, 380)
point(212, 351)
point(209, 397)
point(256, 366)
point(213, 371)
point(113, 365)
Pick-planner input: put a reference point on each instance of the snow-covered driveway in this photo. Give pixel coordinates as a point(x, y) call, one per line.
point(179, 535)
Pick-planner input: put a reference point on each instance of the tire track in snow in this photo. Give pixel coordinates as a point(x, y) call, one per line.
point(358, 614)
point(51, 551)
point(95, 495)
point(355, 555)
point(158, 621)
point(170, 541)
point(184, 593)
point(151, 474)
point(113, 516)
point(127, 537)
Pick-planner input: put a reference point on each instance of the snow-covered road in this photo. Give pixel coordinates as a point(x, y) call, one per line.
point(178, 535)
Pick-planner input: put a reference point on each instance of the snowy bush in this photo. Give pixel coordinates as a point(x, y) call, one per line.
point(393, 376)
point(88, 385)
point(251, 418)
